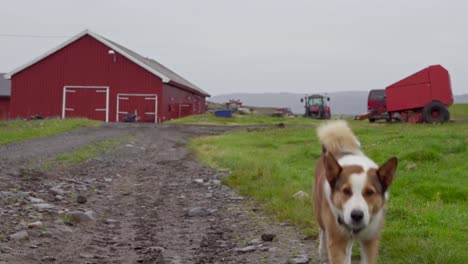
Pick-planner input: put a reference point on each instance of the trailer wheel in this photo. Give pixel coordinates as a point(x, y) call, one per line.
point(435, 112)
point(371, 120)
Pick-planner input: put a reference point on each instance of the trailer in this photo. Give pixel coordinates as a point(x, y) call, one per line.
point(421, 97)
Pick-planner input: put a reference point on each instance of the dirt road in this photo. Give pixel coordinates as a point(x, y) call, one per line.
point(146, 201)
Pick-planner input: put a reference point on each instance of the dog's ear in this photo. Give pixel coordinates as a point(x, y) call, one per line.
point(332, 169)
point(386, 172)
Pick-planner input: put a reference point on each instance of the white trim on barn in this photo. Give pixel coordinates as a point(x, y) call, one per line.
point(147, 97)
point(104, 41)
point(64, 100)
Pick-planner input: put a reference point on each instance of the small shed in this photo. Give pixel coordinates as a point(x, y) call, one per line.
point(5, 91)
point(93, 77)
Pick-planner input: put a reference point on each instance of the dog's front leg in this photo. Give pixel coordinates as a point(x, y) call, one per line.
point(369, 251)
point(337, 250)
point(323, 252)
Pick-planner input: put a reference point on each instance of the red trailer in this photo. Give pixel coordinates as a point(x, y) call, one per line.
point(422, 96)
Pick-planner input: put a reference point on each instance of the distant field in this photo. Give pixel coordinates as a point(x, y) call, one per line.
point(427, 215)
point(210, 119)
point(19, 130)
point(459, 112)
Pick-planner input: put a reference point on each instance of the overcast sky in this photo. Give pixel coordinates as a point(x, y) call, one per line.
point(300, 46)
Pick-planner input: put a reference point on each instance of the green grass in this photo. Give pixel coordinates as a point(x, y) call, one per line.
point(87, 152)
point(427, 212)
point(459, 111)
point(20, 130)
point(210, 119)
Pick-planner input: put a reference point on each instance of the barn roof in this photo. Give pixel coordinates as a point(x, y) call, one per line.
point(148, 64)
point(5, 86)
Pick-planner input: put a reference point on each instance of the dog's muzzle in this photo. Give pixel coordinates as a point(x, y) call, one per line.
point(352, 230)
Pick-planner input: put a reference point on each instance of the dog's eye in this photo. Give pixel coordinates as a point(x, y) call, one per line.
point(369, 192)
point(347, 191)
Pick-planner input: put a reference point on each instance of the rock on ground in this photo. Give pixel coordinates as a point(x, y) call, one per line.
point(21, 235)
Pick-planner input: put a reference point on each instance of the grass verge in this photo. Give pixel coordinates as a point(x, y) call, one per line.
point(87, 152)
point(236, 120)
point(427, 213)
point(20, 130)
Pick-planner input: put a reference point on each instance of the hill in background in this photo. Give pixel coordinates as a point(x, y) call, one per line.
point(352, 103)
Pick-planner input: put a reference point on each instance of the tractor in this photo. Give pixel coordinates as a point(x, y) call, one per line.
point(421, 97)
point(316, 106)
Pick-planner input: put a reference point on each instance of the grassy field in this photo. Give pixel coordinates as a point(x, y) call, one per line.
point(19, 130)
point(459, 112)
point(428, 209)
point(236, 120)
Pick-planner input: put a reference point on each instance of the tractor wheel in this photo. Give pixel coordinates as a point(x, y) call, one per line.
point(435, 112)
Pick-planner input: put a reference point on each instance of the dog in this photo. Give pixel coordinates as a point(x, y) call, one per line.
point(350, 195)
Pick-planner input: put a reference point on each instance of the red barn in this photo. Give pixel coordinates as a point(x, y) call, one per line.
point(93, 77)
point(4, 97)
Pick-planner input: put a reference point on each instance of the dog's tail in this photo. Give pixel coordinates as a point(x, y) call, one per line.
point(337, 138)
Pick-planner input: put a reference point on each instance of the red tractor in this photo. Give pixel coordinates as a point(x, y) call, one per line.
point(421, 97)
point(316, 106)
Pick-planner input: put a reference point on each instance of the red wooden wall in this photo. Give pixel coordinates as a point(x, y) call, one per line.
point(4, 107)
point(38, 89)
point(175, 100)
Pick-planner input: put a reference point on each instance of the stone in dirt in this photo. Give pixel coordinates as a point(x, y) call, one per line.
point(43, 206)
point(86, 256)
point(35, 224)
point(58, 197)
point(36, 200)
point(268, 237)
point(246, 249)
point(21, 235)
point(216, 182)
point(254, 242)
point(5, 249)
point(59, 229)
point(299, 259)
point(81, 217)
point(198, 180)
point(22, 194)
point(46, 234)
point(81, 199)
point(111, 221)
point(264, 248)
point(34, 233)
point(198, 211)
point(56, 191)
point(48, 258)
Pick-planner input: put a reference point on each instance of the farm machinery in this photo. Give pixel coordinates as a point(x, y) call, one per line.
point(316, 106)
point(421, 97)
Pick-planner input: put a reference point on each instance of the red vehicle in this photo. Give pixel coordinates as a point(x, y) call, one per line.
point(376, 105)
point(421, 97)
point(316, 106)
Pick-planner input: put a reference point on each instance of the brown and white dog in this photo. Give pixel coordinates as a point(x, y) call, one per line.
point(350, 194)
